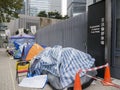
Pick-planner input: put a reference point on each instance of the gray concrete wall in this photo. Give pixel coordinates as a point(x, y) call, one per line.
point(47, 21)
point(23, 22)
point(68, 33)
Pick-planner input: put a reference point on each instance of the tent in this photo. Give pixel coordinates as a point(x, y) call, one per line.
point(19, 40)
point(25, 36)
point(31, 50)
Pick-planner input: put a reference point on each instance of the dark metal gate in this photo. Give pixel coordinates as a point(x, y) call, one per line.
point(115, 62)
point(96, 33)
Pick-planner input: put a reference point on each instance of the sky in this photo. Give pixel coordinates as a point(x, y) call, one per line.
point(64, 7)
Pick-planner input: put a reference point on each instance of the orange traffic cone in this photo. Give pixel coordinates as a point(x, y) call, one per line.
point(107, 76)
point(77, 83)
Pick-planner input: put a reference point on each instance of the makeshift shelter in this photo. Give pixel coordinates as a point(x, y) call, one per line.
point(31, 50)
point(61, 66)
point(22, 38)
point(19, 40)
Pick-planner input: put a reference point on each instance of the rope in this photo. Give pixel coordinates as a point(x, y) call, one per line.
point(100, 80)
point(95, 68)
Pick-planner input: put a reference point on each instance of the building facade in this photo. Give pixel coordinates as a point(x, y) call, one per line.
point(35, 6)
point(25, 8)
point(75, 7)
point(115, 38)
point(38, 5)
point(112, 34)
point(59, 5)
point(55, 5)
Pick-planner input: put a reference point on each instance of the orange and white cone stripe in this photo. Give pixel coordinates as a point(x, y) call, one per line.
point(95, 68)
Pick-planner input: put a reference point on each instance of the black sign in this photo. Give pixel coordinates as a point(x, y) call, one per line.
point(96, 34)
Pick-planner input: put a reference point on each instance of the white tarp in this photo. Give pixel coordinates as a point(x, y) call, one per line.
point(34, 82)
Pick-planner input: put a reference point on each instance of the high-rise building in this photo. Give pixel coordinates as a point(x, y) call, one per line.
point(33, 11)
point(26, 8)
point(39, 5)
point(55, 5)
point(90, 2)
point(45, 5)
point(75, 7)
point(33, 7)
point(59, 5)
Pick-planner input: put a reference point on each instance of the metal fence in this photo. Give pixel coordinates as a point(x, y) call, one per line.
point(68, 33)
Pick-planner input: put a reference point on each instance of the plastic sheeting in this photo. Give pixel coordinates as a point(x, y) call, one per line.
point(62, 62)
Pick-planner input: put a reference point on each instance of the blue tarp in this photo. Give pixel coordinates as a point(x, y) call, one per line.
point(19, 40)
point(25, 36)
point(25, 51)
point(16, 45)
point(62, 63)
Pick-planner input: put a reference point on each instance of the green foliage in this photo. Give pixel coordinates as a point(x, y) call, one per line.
point(42, 14)
point(8, 9)
point(66, 17)
point(54, 15)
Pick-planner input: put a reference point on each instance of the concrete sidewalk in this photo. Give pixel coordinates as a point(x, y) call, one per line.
point(8, 74)
point(96, 85)
point(8, 81)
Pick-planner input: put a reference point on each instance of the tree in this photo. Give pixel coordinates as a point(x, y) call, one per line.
point(8, 9)
point(42, 14)
point(66, 17)
point(55, 15)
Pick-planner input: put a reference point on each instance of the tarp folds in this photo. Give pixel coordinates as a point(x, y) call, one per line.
point(25, 36)
point(19, 40)
point(62, 63)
